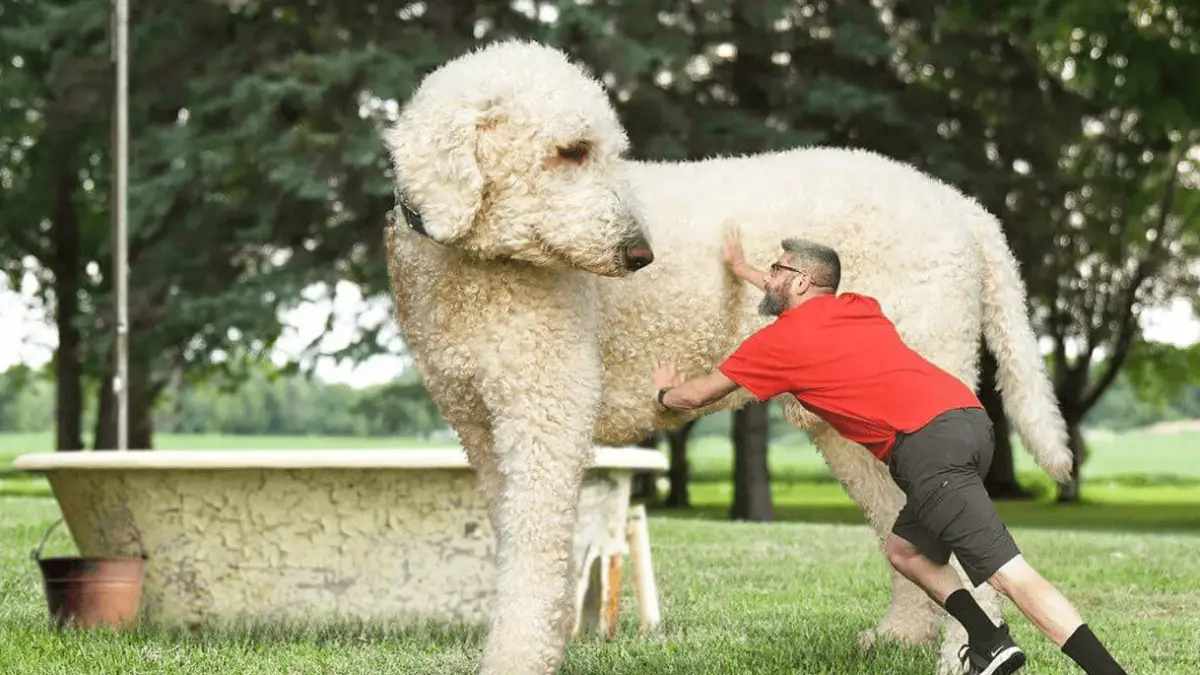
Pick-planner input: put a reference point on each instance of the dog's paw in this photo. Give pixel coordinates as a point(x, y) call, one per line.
point(867, 638)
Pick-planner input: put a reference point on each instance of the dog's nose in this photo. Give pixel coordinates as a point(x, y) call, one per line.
point(638, 256)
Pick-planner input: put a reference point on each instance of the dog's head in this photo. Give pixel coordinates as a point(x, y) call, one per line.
point(512, 151)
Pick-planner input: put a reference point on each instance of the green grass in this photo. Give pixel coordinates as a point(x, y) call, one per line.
point(787, 597)
point(736, 598)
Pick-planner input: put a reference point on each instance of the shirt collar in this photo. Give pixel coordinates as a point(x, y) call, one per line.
point(810, 304)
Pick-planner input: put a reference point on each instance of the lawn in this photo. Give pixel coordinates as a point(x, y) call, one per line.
point(786, 597)
point(737, 598)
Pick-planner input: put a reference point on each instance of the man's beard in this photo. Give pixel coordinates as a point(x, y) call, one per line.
point(771, 305)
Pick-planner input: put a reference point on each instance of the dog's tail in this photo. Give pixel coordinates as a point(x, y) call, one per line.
point(1022, 381)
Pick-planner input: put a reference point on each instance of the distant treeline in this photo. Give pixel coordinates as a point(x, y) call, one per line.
point(295, 405)
point(266, 405)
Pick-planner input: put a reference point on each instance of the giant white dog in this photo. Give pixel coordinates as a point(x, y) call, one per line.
point(511, 257)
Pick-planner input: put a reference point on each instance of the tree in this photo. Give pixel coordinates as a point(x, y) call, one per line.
point(679, 471)
point(50, 131)
point(400, 408)
point(751, 477)
point(1001, 480)
point(1127, 227)
point(251, 176)
point(1090, 194)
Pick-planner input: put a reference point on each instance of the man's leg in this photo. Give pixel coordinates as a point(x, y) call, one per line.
point(937, 579)
point(958, 510)
point(932, 465)
point(943, 585)
point(1048, 609)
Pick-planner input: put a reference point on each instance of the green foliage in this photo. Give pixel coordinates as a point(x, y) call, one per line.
point(399, 408)
point(264, 402)
point(260, 403)
point(1073, 127)
point(1163, 373)
point(296, 405)
point(26, 400)
point(1124, 407)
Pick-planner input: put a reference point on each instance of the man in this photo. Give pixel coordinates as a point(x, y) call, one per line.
point(844, 360)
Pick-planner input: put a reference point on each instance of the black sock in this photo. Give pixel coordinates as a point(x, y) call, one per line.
point(962, 606)
point(1085, 649)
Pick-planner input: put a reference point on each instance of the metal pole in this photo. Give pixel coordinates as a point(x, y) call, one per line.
point(120, 229)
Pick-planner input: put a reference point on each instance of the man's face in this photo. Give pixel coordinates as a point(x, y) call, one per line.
point(779, 278)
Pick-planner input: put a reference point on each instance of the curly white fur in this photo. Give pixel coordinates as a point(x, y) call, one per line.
point(513, 289)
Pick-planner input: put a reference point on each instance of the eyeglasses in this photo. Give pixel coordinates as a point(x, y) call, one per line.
point(775, 267)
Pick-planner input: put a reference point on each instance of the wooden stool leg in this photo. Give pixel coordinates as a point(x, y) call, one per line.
point(612, 607)
point(643, 569)
point(588, 594)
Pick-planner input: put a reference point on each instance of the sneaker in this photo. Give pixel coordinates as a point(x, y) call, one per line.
point(1000, 657)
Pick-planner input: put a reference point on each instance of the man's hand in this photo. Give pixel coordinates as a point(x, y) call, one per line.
point(666, 377)
point(690, 394)
point(735, 258)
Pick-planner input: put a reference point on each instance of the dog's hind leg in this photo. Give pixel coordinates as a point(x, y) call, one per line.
point(912, 618)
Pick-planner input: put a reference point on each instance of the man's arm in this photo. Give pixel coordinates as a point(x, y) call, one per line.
point(753, 275)
point(699, 391)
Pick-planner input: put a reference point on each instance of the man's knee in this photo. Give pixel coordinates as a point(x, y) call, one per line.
point(1012, 575)
point(900, 552)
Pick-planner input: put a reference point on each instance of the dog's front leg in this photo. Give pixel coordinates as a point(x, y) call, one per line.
point(543, 404)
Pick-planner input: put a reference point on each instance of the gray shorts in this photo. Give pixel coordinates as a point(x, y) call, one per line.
point(940, 467)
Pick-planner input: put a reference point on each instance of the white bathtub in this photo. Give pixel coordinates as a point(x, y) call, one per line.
point(253, 536)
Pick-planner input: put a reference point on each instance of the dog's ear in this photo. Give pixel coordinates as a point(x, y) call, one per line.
point(439, 184)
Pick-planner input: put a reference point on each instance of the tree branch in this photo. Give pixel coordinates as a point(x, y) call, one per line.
point(1128, 328)
point(1125, 335)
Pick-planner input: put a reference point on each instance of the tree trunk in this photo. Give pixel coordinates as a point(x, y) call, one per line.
point(679, 473)
point(642, 486)
point(141, 404)
point(1001, 480)
point(65, 265)
point(1069, 493)
point(751, 478)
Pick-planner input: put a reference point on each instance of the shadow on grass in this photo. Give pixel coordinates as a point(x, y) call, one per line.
point(436, 635)
point(20, 484)
point(1140, 503)
point(1142, 518)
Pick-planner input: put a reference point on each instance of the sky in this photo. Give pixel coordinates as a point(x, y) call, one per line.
point(32, 337)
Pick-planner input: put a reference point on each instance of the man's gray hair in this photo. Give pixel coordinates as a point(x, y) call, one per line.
point(820, 261)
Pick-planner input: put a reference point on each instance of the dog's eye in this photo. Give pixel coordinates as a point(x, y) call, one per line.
point(575, 153)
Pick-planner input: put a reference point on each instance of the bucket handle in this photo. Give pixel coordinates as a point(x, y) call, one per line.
point(36, 554)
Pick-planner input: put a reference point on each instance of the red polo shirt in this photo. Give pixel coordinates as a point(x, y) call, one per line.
point(842, 358)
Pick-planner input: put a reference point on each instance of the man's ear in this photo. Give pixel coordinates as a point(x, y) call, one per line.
point(803, 283)
point(439, 184)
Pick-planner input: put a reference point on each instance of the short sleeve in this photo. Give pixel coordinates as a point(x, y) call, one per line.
point(763, 363)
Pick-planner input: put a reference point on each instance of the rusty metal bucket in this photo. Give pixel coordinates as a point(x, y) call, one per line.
point(89, 592)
